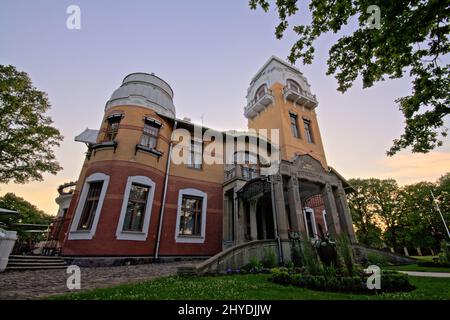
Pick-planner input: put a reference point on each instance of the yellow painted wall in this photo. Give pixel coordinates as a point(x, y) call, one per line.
point(277, 116)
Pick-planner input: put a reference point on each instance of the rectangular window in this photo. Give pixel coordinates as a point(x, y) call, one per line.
point(150, 134)
point(308, 131)
point(137, 203)
point(191, 216)
point(195, 158)
point(294, 126)
point(112, 129)
point(90, 205)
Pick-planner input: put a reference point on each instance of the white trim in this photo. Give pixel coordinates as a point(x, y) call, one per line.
point(324, 217)
point(76, 234)
point(136, 235)
point(313, 221)
point(191, 239)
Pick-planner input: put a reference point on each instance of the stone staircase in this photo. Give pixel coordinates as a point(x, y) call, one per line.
point(17, 262)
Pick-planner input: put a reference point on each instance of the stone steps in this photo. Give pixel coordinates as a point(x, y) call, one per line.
point(17, 262)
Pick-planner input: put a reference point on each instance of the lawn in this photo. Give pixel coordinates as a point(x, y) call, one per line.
point(247, 287)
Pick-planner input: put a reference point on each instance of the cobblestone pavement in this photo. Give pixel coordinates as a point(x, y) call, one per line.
point(34, 284)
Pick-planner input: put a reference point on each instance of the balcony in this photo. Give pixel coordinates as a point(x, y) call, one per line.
point(242, 171)
point(258, 104)
point(300, 96)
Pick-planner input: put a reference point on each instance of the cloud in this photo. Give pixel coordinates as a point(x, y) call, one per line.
point(411, 168)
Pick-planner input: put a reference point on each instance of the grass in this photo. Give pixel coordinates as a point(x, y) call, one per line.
point(424, 258)
point(416, 267)
point(247, 287)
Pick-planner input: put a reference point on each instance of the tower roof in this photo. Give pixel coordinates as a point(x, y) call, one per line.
point(146, 90)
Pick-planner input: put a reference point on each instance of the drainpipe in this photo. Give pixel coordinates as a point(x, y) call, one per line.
point(274, 214)
point(163, 203)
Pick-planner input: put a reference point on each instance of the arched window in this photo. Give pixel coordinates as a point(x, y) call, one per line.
point(262, 90)
point(293, 85)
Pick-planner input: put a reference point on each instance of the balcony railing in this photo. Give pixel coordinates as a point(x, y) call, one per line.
point(300, 96)
point(257, 104)
point(242, 171)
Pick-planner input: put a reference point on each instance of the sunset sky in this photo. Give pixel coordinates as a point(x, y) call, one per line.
point(208, 51)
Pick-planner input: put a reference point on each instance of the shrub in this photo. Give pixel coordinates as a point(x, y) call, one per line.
point(281, 276)
point(255, 266)
point(433, 264)
point(269, 260)
point(444, 255)
point(296, 255)
point(345, 255)
point(310, 260)
point(395, 281)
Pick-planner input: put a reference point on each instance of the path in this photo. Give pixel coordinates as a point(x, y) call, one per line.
point(426, 274)
point(33, 284)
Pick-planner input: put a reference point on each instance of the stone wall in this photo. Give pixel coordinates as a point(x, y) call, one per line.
point(234, 258)
point(360, 252)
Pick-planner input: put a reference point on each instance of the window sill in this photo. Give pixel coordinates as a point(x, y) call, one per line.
point(132, 235)
point(80, 235)
point(149, 150)
point(104, 145)
point(189, 239)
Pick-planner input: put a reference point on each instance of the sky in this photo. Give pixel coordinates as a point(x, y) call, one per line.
point(208, 51)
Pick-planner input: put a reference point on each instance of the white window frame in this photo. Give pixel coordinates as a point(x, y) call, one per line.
point(74, 233)
point(324, 217)
point(313, 221)
point(136, 235)
point(186, 238)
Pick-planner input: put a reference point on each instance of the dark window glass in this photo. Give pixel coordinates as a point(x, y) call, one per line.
point(112, 129)
point(137, 203)
point(150, 134)
point(90, 205)
point(191, 216)
point(294, 126)
point(309, 223)
point(308, 131)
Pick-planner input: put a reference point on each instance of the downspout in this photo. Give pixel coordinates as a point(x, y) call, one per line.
point(163, 202)
point(274, 214)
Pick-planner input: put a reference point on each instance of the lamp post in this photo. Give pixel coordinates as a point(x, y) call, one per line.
point(440, 213)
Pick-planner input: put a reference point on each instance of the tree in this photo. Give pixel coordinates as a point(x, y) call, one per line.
point(28, 214)
point(27, 137)
point(412, 37)
point(364, 217)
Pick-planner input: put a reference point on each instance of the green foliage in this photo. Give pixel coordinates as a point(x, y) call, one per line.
point(297, 254)
point(329, 280)
point(27, 137)
point(345, 255)
point(408, 214)
point(311, 262)
point(255, 266)
point(29, 213)
point(444, 255)
point(376, 259)
point(412, 37)
point(269, 260)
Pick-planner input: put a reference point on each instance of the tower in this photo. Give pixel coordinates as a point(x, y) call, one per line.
point(279, 97)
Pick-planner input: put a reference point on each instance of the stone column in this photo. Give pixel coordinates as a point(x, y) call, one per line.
point(330, 207)
point(295, 206)
point(237, 223)
point(280, 208)
point(345, 214)
point(241, 222)
point(253, 223)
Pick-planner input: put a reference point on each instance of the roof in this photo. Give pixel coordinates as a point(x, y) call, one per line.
point(274, 58)
point(87, 136)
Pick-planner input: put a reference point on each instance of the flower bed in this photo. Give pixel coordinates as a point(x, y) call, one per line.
point(391, 281)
